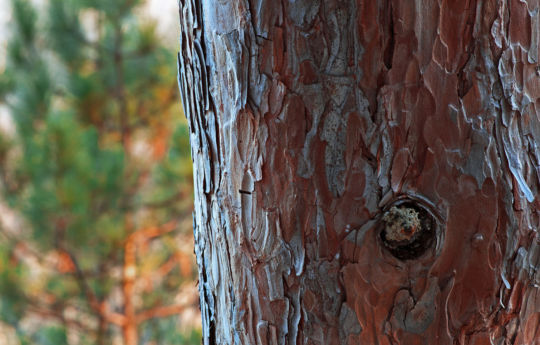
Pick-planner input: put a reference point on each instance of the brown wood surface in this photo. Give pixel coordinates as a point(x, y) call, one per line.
point(317, 125)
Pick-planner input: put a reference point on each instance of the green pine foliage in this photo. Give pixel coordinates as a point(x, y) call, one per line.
point(100, 151)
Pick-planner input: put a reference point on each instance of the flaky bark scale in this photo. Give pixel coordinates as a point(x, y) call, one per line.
point(310, 119)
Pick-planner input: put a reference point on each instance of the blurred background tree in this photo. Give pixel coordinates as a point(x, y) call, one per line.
point(99, 172)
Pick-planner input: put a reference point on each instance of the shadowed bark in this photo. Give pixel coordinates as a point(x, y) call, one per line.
point(366, 172)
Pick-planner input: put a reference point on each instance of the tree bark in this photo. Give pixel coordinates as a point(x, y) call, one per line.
point(366, 172)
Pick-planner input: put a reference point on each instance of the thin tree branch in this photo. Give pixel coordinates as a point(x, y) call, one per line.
point(159, 312)
point(145, 234)
point(100, 307)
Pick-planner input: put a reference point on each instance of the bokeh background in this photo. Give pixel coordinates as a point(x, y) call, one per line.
point(96, 242)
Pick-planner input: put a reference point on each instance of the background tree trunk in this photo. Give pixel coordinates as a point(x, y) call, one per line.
point(311, 119)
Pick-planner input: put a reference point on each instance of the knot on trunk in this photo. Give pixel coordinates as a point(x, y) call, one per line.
point(402, 224)
point(408, 229)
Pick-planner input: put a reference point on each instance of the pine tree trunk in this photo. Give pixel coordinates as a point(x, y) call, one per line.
point(366, 172)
